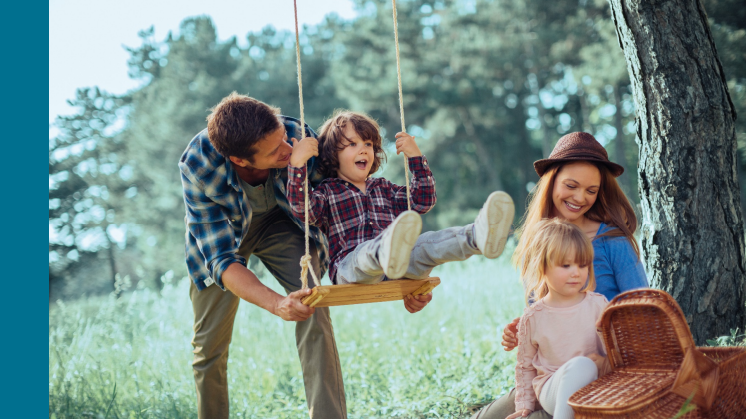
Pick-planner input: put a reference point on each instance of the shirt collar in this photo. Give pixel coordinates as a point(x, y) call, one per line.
point(232, 176)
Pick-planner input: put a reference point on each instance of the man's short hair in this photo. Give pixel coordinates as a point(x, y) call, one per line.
point(238, 122)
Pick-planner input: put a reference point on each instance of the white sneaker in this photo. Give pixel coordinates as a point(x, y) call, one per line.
point(397, 243)
point(493, 224)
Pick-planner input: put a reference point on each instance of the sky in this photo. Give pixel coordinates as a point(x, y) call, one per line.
point(87, 37)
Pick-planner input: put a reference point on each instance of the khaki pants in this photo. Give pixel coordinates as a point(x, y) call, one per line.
point(505, 406)
point(279, 244)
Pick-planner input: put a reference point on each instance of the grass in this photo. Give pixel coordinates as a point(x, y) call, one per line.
point(130, 357)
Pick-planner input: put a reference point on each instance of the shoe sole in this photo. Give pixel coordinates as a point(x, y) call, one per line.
point(406, 231)
point(500, 212)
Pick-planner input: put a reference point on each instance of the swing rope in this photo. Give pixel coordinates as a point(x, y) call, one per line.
point(306, 259)
point(401, 104)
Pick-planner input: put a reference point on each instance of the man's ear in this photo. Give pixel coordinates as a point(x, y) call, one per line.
point(238, 161)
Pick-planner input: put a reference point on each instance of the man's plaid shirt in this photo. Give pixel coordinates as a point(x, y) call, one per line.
point(218, 214)
point(349, 217)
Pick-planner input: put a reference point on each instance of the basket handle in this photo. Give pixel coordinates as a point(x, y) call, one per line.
point(672, 311)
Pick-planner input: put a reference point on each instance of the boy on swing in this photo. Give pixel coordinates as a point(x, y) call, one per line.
point(372, 235)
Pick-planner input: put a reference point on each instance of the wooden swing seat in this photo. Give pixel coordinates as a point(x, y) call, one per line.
point(347, 294)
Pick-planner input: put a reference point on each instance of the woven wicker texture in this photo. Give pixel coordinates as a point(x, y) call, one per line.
point(648, 341)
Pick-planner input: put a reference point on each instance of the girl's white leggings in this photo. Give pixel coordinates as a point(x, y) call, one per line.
point(569, 378)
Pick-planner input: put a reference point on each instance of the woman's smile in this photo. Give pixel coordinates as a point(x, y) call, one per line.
point(572, 207)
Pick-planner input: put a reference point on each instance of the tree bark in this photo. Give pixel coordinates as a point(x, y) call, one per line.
point(619, 147)
point(692, 226)
point(485, 162)
point(112, 265)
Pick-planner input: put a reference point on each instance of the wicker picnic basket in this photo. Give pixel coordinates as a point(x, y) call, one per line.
point(656, 366)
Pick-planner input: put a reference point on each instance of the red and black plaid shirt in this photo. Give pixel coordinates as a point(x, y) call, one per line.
point(349, 217)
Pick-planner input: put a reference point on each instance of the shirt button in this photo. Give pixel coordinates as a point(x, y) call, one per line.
point(347, 184)
point(425, 163)
point(301, 189)
point(298, 175)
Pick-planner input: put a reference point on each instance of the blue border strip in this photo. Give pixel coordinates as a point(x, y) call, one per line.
point(26, 295)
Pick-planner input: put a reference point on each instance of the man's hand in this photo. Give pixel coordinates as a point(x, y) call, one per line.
point(510, 339)
point(415, 303)
point(520, 413)
point(303, 150)
point(291, 309)
point(405, 143)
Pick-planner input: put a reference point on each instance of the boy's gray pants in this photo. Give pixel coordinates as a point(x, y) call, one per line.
point(279, 244)
point(432, 248)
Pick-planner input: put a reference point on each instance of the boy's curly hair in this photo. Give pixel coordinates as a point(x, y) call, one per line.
point(331, 140)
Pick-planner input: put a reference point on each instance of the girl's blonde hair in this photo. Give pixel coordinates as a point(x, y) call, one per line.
point(552, 242)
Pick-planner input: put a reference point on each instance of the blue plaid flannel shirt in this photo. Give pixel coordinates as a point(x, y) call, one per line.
point(218, 214)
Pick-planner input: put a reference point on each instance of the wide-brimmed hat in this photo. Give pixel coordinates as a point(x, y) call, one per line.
point(578, 146)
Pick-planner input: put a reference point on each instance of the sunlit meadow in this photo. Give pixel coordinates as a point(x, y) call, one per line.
point(130, 357)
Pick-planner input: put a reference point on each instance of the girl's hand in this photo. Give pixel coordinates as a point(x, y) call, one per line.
point(510, 339)
point(520, 413)
point(303, 150)
point(405, 143)
point(599, 361)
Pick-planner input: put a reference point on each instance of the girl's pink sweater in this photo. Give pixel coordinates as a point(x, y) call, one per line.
point(548, 337)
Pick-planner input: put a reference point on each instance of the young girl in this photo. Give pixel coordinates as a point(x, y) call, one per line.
point(371, 233)
point(559, 351)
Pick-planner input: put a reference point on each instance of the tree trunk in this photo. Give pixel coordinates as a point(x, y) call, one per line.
point(693, 231)
point(112, 265)
point(619, 147)
point(487, 164)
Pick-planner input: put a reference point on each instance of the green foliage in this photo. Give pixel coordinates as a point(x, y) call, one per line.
point(687, 407)
point(130, 356)
point(87, 184)
point(735, 339)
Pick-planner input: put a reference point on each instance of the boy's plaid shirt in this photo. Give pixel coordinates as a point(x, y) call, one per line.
point(218, 215)
point(349, 217)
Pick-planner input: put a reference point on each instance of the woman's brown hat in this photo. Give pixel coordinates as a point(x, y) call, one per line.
point(578, 146)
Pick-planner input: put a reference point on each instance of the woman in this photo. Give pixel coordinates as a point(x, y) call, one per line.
point(578, 183)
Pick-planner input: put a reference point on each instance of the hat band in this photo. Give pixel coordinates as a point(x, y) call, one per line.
point(581, 156)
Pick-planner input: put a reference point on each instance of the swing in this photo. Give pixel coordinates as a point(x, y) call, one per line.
point(347, 294)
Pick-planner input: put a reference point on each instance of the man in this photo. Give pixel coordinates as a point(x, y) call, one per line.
point(234, 175)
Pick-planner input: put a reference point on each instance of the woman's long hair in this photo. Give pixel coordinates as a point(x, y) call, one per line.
point(611, 208)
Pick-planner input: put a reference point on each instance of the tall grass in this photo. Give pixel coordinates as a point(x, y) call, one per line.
point(130, 357)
